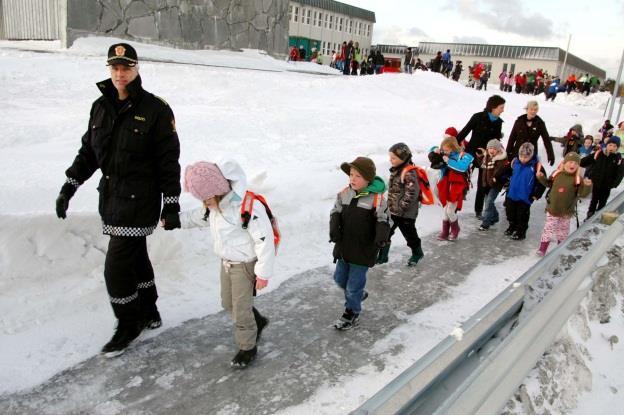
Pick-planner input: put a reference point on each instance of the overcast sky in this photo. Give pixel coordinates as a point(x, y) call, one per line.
point(597, 27)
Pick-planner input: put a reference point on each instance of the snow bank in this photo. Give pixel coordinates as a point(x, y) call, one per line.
point(581, 373)
point(289, 131)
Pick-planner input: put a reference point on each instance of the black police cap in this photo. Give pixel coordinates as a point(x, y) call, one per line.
point(122, 54)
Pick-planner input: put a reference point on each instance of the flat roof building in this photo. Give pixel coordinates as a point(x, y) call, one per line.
point(325, 24)
point(498, 58)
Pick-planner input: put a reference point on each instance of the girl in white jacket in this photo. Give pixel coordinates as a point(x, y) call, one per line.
point(247, 255)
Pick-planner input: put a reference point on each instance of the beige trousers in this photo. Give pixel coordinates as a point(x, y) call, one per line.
point(237, 284)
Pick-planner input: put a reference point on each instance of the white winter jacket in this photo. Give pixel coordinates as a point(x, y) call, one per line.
point(232, 242)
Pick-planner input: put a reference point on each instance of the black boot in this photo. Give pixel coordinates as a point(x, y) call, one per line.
point(153, 320)
point(417, 255)
point(261, 322)
point(347, 321)
point(244, 357)
point(125, 333)
point(382, 258)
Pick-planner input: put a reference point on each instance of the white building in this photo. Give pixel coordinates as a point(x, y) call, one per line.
point(515, 59)
point(325, 24)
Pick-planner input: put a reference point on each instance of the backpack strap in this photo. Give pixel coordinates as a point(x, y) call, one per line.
point(247, 208)
point(406, 170)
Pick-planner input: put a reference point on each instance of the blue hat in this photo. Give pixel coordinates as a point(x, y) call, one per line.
point(614, 139)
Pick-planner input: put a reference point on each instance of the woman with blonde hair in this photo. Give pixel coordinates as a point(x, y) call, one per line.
point(528, 128)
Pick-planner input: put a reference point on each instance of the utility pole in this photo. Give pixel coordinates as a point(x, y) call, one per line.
point(616, 87)
point(565, 60)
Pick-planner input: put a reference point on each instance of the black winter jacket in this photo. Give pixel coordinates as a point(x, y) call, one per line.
point(604, 171)
point(137, 150)
point(521, 133)
point(483, 130)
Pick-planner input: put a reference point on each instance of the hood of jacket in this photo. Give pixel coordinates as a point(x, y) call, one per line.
point(234, 173)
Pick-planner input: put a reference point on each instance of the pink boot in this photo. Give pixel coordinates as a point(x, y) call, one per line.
point(454, 231)
point(444, 235)
point(542, 248)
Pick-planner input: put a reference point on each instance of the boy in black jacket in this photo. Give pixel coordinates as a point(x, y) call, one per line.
point(605, 171)
point(359, 226)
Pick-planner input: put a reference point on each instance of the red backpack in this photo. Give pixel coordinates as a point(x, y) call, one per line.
point(426, 194)
point(247, 210)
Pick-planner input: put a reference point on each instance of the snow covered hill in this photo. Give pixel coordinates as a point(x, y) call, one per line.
point(290, 132)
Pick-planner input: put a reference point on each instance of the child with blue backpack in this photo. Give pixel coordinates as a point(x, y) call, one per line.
point(247, 253)
point(453, 164)
point(524, 189)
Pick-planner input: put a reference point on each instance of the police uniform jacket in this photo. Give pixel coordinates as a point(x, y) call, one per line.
point(136, 148)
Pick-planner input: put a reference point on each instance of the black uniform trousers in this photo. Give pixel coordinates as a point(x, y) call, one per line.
point(408, 229)
point(129, 279)
point(600, 195)
point(518, 214)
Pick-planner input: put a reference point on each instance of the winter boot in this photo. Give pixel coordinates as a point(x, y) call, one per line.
point(444, 235)
point(382, 258)
point(417, 255)
point(518, 236)
point(153, 320)
point(261, 322)
point(348, 320)
point(364, 295)
point(454, 231)
point(244, 357)
point(510, 230)
point(125, 333)
point(542, 248)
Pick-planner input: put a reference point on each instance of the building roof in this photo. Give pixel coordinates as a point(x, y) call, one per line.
point(510, 52)
point(338, 7)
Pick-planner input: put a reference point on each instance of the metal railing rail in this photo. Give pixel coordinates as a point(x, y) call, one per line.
point(479, 373)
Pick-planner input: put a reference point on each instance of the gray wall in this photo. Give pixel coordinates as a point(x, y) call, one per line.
point(189, 24)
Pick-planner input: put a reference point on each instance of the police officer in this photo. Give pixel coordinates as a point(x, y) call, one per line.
point(132, 139)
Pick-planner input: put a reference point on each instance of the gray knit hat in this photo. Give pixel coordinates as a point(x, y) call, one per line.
point(527, 150)
point(494, 143)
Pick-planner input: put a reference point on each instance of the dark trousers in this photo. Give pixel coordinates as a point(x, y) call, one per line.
point(129, 278)
point(481, 192)
point(347, 67)
point(408, 229)
point(600, 195)
point(518, 214)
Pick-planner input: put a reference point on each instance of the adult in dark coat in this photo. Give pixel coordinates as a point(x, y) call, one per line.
point(436, 64)
point(132, 139)
point(528, 128)
point(484, 125)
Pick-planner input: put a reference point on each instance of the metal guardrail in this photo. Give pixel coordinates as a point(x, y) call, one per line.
point(479, 373)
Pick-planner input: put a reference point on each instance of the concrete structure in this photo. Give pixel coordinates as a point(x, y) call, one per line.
point(325, 24)
point(498, 58)
point(191, 24)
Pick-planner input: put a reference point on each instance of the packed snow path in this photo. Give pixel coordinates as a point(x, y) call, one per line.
point(185, 370)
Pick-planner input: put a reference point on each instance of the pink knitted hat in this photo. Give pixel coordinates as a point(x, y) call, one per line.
point(204, 180)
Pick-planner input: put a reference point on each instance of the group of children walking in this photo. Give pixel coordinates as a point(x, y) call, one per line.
point(363, 219)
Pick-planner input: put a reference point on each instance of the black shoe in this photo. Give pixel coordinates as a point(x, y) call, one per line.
point(244, 357)
point(348, 320)
point(479, 216)
point(153, 321)
point(261, 322)
point(509, 231)
point(125, 333)
point(365, 295)
point(483, 227)
point(517, 236)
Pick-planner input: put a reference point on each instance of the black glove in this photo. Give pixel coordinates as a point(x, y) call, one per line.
point(62, 203)
point(172, 221)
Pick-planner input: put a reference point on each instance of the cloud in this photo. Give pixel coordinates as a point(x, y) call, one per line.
point(414, 31)
point(470, 39)
point(505, 17)
point(397, 35)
